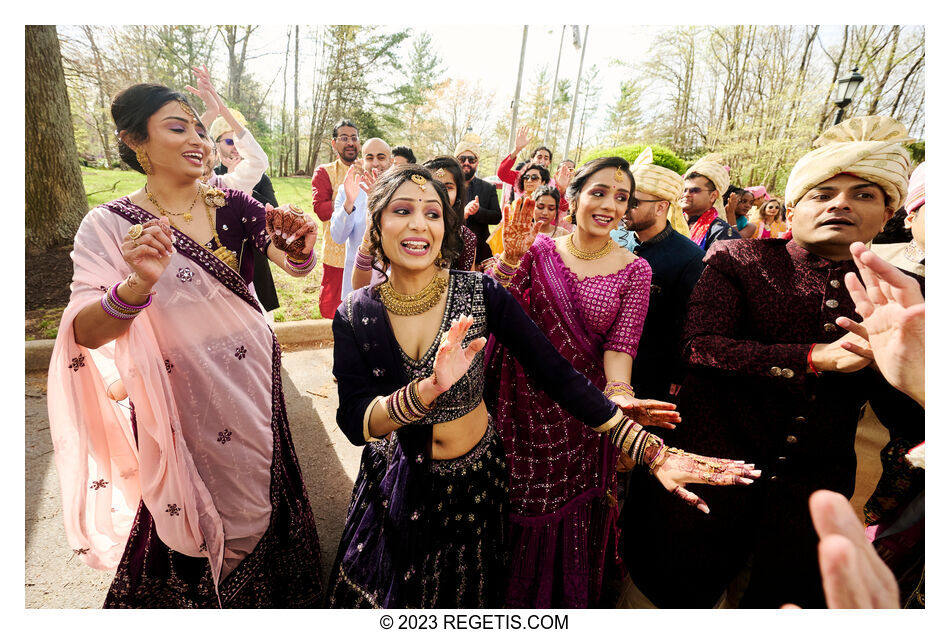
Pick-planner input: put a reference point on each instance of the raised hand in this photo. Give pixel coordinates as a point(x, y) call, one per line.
point(519, 228)
point(368, 179)
point(149, 253)
point(351, 188)
point(892, 307)
point(471, 208)
point(452, 360)
point(206, 92)
point(290, 231)
point(562, 178)
point(675, 468)
point(521, 139)
point(648, 412)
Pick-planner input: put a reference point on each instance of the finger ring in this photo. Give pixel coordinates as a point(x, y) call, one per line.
point(134, 243)
point(135, 231)
point(294, 209)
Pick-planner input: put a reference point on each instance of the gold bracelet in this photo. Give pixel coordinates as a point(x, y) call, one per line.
point(131, 286)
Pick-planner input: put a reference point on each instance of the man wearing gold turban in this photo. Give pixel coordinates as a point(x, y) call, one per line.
point(705, 182)
point(772, 377)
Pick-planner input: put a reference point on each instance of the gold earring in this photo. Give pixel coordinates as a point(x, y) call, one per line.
point(142, 157)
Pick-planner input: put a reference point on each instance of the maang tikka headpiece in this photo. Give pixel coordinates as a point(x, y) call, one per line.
point(419, 180)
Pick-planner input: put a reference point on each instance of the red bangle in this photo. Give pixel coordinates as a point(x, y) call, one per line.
point(811, 366)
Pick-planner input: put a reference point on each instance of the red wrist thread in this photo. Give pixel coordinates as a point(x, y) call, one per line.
point(811, 365)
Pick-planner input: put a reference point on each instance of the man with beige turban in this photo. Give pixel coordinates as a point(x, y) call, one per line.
point(772, 377)
point(482, 208)
point(705, 182)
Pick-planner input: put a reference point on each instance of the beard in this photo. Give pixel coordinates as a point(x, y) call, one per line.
point(468, 171)
point(349, 154)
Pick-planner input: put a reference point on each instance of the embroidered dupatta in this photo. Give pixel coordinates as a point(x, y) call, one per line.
point(198, 366)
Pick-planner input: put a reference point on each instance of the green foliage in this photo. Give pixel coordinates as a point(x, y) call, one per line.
point(661, 156)
point(917, 154)
point(103, 185)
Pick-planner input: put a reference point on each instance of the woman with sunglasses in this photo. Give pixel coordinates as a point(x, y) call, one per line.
point(589, 297)
point(426, 524)
point(193, 489)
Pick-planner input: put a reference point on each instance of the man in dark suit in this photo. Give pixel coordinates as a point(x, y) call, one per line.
point(482, 208)
point(775, 380)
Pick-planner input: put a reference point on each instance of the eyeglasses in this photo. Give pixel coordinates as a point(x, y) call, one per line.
point(346, 139)
point(638, 201)
point(694, 190)
point(467, 159)
point(532, 177)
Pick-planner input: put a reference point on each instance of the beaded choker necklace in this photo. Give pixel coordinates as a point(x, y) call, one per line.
point(415, 303)
point(588, 255)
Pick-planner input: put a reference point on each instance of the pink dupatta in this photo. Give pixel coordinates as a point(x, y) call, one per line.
point(197, 365)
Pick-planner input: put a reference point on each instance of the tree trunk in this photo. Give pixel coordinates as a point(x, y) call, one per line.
point(55, 198)
point(296, 101)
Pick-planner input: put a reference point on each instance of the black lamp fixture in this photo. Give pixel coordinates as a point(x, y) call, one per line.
point(845, 90)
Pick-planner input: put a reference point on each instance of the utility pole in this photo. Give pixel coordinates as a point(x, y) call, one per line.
point(547, 125)
point(514, 105)
point(577, 86)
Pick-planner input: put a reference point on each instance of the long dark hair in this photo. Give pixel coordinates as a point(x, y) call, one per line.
point(584, 173)
point(131, 110)
point(383, 191)
point(451, 165)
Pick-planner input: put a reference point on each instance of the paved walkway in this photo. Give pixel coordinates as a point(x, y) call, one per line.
point(55, 578)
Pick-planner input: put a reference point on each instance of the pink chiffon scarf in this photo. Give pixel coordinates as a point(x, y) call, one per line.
point(197, 365)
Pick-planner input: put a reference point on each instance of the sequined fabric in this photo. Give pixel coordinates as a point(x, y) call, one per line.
point(755, 312)
point(563, 526)
point(464, 297)
point(463, 519)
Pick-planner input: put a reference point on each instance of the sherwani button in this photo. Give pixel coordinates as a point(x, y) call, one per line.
point(835, 284)
point(832, 303)
point(791, 439)
point(800, 419)
point(830, 327)
point(775, 370)
point(788, 373)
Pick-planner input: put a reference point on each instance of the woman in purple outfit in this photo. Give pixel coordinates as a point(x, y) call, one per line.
point(427, 521)
point(590, 298)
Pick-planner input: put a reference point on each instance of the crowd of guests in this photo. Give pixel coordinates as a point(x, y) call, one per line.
point(641, 389)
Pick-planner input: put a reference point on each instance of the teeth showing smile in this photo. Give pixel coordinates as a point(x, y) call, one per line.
point(415, 246)
point(604, 220)
point(195, 156)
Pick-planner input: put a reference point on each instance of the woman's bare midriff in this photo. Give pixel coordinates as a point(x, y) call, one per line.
point(457, 437)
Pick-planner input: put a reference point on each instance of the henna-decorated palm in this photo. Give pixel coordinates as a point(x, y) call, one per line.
point(148, 255)
point(648, 412)
point(519, 228)
point(290, 232)
point(452, 360)
point(676, 468)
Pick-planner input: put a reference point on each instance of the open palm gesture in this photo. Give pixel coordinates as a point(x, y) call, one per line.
point(676, 468)
point(452, 360)
point(519, 228)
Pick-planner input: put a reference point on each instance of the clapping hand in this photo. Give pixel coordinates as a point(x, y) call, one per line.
point(452, 360)
point(892, 307)
point(519, 229)
point(149, 253)
point(293, 232)
point(471, 208)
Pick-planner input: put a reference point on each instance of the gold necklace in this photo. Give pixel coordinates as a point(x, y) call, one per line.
point(588, 255)
point(415, 303)
point(187, 215)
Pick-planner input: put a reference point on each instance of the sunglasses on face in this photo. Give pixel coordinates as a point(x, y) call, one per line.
point(695, 190)
point(532, 177)
point(468, 159)
point(229, 142)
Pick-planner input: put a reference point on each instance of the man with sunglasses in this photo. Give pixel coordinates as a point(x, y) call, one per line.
point(704, 181)
point(326, 180)
point(482, 208)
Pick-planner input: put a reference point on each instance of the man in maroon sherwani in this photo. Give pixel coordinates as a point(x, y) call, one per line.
point(772, 381)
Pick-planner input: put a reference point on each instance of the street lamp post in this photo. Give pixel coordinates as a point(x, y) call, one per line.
point(844, 92)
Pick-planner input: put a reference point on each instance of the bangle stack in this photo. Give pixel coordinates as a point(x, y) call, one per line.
point(625, 434)
point(364, 261)
point(405, 405)
point(504, 271)
point(653, 441)
point(618, 387)
point(118, 309)
point(301, 267)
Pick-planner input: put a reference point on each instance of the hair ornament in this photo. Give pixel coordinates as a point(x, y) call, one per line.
point(618, 175)
point(440, 173)
point(419, 180)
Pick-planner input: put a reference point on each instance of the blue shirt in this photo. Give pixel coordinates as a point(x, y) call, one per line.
point(347, 229)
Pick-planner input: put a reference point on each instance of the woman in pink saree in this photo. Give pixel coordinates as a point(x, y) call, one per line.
point(590, 298)
point(192, 490)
